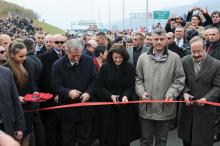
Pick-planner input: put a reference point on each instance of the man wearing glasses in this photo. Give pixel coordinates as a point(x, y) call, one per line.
point(159, 76)
point(3, 55)
point(51, 118)
point(196, 120)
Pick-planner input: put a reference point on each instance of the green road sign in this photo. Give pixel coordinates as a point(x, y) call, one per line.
point(161, 14)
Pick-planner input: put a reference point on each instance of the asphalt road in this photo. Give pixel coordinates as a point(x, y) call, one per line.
point(173, 140)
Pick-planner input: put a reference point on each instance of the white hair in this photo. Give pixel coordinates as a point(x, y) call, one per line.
point(73, 45)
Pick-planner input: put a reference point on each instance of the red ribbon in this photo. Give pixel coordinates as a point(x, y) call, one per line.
point(119, 103)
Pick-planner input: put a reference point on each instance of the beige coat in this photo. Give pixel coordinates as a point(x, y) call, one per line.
point(161, 78)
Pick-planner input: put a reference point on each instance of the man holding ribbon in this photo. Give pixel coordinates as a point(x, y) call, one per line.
point(196, 120)
point(159, 76)
point(73, 79)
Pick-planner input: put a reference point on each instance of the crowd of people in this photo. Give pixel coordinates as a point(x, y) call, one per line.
point(18, 27)
point(177, 62)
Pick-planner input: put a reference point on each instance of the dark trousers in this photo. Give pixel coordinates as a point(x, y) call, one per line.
point(2, 127)
point(76, 132)
point(52, 126)
point(186, 143)
point(152, 129)
point(38, 138)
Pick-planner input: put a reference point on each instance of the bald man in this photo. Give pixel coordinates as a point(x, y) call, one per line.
point(51, 119)
point(5, 41)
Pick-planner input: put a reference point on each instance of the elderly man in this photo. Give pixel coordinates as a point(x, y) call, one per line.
point(51, 118)
point(5, 41)
point(3, 55)
point(73, 79)
point(159, 76)
point(48, 44)
point(196, 120)
point(90, 48)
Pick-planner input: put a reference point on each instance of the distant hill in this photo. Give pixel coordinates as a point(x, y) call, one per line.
point(49, 28)
point(9, 9)
point(211, 5)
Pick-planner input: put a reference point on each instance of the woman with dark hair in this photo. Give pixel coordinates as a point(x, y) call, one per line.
point(194, 28)
point(116, 83)
point(24, 80)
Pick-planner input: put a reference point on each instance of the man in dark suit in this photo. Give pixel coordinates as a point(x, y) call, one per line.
point(171, 44)
point(137, 49)
point(196, 120)
point(11, 113)
point(73, 79)
point(36, 64)
point(51, 118)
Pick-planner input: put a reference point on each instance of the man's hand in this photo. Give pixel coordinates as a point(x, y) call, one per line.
point(124, 99)
point(21, 99)
point(186, 98)
point(114, 98)
point(56, 98)
point(73, 94)
point(145, 96)
point(201, 101)
point(168, 98)
point(18, 135)
point(85, 97)
point(6, 140)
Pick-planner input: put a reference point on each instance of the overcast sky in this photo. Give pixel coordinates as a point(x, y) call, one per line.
point(62, 12)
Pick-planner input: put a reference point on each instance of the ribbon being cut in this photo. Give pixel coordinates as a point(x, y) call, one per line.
point(123, 103)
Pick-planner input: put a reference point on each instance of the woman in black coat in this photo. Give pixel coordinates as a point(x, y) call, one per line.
point(116, 83)
point(24, 80)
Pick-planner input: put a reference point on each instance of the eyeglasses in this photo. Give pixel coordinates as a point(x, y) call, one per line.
point(59, 42)
point(2, 51)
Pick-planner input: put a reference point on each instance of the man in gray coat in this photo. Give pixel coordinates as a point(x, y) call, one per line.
point(160, 76)
point(11, 113)
point(196, 121)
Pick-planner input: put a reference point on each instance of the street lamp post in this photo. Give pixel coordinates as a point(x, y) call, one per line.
point(123, 14)
point(109, 18)
point(147, 14)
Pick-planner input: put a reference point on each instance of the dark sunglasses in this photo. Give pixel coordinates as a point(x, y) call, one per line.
point(59, 42)
point(2, 51)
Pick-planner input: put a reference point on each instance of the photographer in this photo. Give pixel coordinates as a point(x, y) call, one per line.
point(206, 19)
point(173, 22)
point(194, 28)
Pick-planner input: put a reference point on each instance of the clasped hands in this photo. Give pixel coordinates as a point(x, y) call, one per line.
point(114, 98)
point(74, 94)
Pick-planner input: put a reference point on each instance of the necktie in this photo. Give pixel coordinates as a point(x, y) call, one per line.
point(178, 43)
point(60, 54)
point(197, 68)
